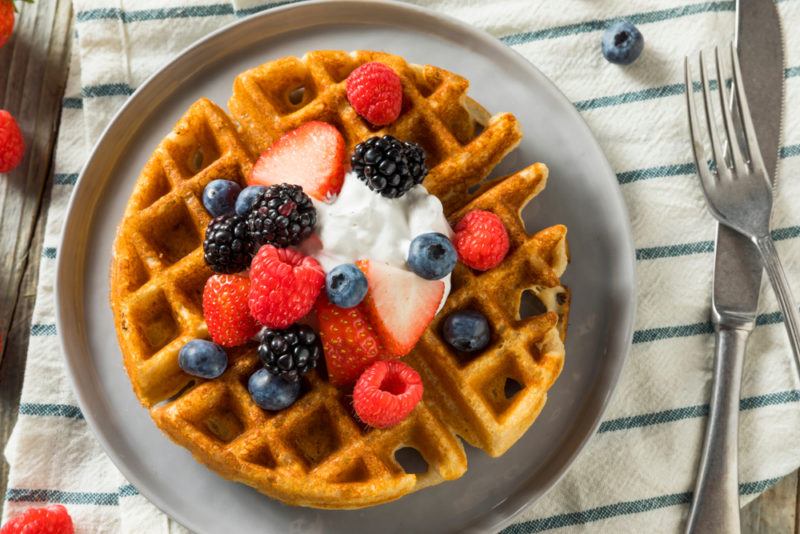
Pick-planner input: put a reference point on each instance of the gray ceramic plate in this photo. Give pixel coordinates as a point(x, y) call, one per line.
point(582, 193)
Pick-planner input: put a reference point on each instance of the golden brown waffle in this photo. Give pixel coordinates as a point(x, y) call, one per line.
point(316, 453)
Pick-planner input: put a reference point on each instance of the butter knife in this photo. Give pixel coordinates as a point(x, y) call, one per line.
point(737, 278)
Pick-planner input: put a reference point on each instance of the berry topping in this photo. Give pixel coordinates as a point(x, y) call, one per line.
point(7, 10)
point(53, 519)
point(348, 341)
point(481, 240)
point(467, 331)
point(219, 197)
point(346, 285)
point(432, 256)
point(312, 156)
point(622, 43)
point(376, 93)
point(282, 215)
point(203, 358)
point(225, 310)
point(289, 353)
point(389, 166)
point(386, 393)
point(227, 247)
point(247, 199)
point(284, 284)
point(12, 144)
point(272, 392)
point(399, 304)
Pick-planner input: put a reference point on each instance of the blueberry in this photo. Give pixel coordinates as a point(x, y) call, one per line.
point(467, 331)
point(219, 197)
point(432, 256)
point(272, 392)
point(346, 285)
point(247, 198)
point(622, 43)
point(203, 358)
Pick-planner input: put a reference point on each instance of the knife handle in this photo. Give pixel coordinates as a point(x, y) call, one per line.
point(715, 506)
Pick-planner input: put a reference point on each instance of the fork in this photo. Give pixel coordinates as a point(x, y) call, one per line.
point(737, 189)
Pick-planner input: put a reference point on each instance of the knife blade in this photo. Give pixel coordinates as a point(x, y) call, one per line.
point(737, 266)
point(758, 23)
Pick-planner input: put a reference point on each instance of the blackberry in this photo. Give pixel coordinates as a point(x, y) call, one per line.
point(389, 166)
point(283, 215)
point(289, 353)
point(227, 247)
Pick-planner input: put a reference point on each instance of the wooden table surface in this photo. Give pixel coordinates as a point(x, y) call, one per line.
point(36, 61)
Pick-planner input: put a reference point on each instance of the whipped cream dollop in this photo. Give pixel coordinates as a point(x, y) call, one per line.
point(361, 224)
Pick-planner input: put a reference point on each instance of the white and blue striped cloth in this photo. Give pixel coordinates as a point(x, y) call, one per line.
point(636, 475)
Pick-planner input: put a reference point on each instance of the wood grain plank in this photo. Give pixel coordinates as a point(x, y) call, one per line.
point(34, 64)
point(32, 92)
point(775, 512)
point(797, 506)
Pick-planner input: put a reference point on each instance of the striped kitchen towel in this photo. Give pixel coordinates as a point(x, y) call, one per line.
point(637, 473)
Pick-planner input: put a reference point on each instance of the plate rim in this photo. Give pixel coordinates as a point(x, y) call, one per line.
point(71, 334)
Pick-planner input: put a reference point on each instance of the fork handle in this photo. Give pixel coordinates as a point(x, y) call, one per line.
point(715, 505)
point(772, 264)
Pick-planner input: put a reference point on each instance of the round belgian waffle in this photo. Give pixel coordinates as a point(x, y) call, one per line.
point(316, 453)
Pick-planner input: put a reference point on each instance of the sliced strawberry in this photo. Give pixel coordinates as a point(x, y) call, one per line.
point(311, 156)
point(399, 304)
point(225, 310)
point(349, 342)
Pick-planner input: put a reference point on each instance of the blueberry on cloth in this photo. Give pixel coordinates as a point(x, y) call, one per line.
point(622, 43)
point(247, 198)
point(272, 392)
point(346, 285)
point(467, 330)
point(203, 358)
point(432, 256)
point(219, 197)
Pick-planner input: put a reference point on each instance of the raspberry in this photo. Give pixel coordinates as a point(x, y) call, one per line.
point(6, 20)
point(12, 144)
point(52, 519)
point(284, 284)
point(376, 93)
point(481, 240)
point(386, 392)
point(226, 312)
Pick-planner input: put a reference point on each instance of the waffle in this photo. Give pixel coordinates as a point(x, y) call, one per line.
point(316, 453)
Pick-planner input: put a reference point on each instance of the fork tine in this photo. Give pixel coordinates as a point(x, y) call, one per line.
point(733, 143)
point(716, 147)
point(698, 150)
point(744, 112)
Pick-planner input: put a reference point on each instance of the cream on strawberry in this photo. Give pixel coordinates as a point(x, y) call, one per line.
point(360, 224)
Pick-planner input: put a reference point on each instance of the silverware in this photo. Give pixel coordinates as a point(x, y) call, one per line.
point(739, 193)
point(734, 302)
point(737, 277)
